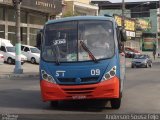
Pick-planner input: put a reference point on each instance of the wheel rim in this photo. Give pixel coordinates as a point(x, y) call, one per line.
point(32, 60)
point(9, 61)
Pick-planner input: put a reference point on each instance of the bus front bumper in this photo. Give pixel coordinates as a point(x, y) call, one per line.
point(107, 89)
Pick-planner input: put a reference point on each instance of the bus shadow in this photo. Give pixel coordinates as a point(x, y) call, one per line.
point(82, 105)
point(31, 99)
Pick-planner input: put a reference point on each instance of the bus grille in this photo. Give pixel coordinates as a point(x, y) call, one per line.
point(79, 91)
point(88, 80)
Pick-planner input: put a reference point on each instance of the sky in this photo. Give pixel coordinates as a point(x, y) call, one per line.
point(113, 1)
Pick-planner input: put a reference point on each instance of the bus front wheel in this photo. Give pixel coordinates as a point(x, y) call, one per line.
point(54, 104)
point(116, 103)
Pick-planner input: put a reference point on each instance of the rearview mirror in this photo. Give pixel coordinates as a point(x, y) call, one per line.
point(121, 37)
point(123, 34)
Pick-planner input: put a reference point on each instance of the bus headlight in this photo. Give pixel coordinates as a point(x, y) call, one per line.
point(47, 77)
point(109, 74)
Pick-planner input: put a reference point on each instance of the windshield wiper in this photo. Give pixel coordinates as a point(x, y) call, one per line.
point(88, 51)
point(55, 50)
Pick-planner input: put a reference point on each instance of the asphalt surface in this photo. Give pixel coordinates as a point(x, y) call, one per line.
point(22, 97)
point(29, 70)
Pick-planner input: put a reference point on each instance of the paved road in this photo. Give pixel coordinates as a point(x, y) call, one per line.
point(141, 95)
point(28, 68)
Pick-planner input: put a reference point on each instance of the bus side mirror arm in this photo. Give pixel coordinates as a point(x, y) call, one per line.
point(123, 34)
point(122, 37)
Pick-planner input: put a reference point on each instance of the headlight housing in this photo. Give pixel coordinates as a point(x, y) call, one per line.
point(110, 74)
point(47, 77)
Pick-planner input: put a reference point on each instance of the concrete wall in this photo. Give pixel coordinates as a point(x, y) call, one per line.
point(113, 11)
point(152, 18)
point(74, 8)
point(82, 1)
point(69, 8)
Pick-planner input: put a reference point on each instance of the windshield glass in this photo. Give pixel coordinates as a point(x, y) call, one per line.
point(140, 57)
point(63, 41)
point(10, 49)
point(35, 50)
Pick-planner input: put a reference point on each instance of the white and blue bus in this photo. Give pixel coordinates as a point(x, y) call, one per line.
point(81, 58)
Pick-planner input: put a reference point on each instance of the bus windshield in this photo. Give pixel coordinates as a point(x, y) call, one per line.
point(63, 41)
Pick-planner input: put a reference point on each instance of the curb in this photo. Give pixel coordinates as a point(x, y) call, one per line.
point(13, 76)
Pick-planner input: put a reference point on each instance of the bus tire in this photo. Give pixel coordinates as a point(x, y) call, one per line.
point(116, 103)
point(54, 104)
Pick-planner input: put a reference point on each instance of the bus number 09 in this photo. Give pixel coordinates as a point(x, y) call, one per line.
point(95, 72)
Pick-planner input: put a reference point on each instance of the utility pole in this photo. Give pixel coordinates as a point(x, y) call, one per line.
point(123, 19)
point(18, 69)
point(157, 12)
point(123, 9)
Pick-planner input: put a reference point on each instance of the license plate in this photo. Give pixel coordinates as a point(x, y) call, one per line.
point(78, 97)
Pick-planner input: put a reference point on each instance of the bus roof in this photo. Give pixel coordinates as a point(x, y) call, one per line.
point(76, 18)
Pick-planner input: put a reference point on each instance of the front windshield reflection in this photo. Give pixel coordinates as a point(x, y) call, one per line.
point(98, 37)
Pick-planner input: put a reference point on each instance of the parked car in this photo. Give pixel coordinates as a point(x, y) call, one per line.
point(1, 59)
point(8, 51)
point(141, 60)
point(130, 52)
point(32, 53)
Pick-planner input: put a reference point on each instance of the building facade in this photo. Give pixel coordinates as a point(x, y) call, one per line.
point(144, 12)
point(34, 13)
point(79, 7)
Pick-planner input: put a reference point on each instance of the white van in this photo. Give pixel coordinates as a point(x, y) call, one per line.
point(32, 53)
point(8, 51)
